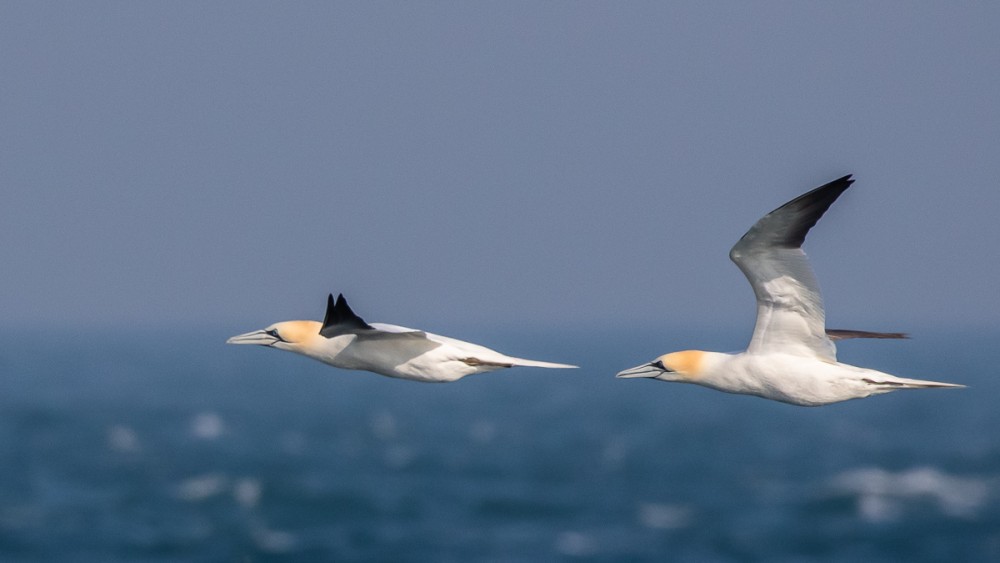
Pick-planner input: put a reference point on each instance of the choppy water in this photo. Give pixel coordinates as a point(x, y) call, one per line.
point(174, 447)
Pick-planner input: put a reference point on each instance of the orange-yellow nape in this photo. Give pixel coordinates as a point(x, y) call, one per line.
point(686, 363)
point(297, 332)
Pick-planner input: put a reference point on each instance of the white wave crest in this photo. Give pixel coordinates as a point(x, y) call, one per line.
point(883, 495)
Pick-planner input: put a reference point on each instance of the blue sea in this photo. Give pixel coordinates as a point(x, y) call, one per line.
point(168, 445)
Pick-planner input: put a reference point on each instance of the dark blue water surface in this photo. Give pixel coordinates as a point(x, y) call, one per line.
point(171, 446)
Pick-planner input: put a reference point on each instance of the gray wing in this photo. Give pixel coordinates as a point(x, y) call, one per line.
point(393, 347)
point(790, 317)
point(378, 341)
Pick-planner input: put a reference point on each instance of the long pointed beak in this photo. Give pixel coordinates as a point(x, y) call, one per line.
point(645, 370)
point(258, 337)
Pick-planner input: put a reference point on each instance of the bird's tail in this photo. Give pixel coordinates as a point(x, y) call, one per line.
point(494, 361)
point(537, 364)
point(893, 383)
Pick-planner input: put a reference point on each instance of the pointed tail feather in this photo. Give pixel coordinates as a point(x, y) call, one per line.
point(904, 383)
point(537, 364)
point(509, 362)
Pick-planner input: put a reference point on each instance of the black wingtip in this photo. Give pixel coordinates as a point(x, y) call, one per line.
point(342, 309)
point(340, 316)
point(844, 334)
point(810, 206)
point(330, 318)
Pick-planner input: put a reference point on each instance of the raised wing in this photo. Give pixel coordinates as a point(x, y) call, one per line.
point(790, 317)
point(340, 319)
point(381, 343)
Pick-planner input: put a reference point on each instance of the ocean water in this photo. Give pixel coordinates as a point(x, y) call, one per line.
point(171, 446)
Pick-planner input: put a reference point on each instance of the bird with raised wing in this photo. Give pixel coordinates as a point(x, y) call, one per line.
point(345, 340)
point(791, 356)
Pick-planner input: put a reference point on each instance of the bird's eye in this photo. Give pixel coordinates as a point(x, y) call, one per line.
point(658, 364)
point(274, 332)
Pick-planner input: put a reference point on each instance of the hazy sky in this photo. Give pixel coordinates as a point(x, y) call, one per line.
point(448, 164)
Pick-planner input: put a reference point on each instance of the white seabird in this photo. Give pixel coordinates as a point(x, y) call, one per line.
point(345, 340)
point(791, 357)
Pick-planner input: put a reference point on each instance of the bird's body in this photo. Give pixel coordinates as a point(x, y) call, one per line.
point(789, 378)
point(791, 357)
point(345, 341)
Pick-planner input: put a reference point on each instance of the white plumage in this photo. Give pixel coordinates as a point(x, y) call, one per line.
point(346, 341)
point(791, 357)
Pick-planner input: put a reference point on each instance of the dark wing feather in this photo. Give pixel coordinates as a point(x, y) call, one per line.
point(844, 334)
point(790, 315)
point(340, 319)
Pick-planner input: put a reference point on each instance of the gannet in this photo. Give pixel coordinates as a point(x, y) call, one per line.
point(345, 340)
point(790, 358)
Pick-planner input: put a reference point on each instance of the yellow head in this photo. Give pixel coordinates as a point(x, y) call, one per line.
point(287, 335)
point(686, 366)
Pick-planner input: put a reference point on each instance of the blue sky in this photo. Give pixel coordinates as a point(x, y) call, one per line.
point(454, 164)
